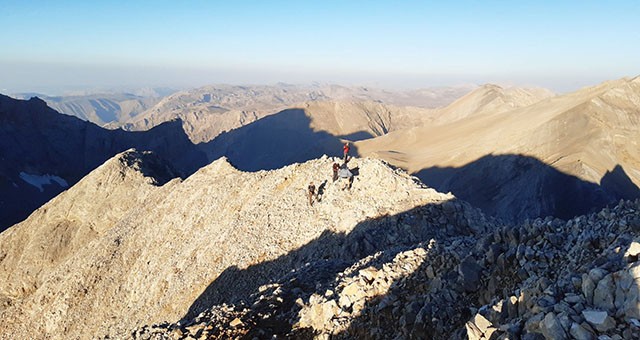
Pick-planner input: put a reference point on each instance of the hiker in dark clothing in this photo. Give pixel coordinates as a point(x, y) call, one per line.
point(335, 171)
point(320, 192)
point(312, 192)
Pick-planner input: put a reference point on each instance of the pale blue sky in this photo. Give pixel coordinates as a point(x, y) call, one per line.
point(58, 45)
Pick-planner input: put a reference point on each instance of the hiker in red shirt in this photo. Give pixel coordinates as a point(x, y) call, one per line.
point(345, 150)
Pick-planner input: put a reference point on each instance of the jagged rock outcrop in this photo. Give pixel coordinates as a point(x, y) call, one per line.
point(164, 252)
point(43, 152)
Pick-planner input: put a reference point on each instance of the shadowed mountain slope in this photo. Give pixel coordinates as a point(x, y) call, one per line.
point(301, 134)
point(273, 142)
point(431, 273)
point(516, 187)
point(44, 152)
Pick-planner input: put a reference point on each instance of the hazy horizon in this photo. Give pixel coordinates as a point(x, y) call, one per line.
point(59, 47)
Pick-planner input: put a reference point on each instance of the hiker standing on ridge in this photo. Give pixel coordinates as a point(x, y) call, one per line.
point(335, 171)
point(345, 150)
point(312, 192)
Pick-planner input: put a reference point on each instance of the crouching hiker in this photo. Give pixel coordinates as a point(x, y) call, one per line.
point(346, 174)
point(312, 192)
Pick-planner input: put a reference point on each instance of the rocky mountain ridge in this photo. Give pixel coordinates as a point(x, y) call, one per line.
point(44, 152)
point(242, 254)
point(175, 249)
point(232, 254)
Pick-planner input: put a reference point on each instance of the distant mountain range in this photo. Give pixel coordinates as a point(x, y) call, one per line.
point(103, 109)
point(211, 110)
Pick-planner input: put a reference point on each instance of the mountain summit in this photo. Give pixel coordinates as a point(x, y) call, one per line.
point(124, 247)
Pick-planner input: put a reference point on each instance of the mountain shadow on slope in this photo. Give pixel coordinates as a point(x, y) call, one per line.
point(618, 183)
point(275, 141)
point(360, 135)
point(517, 187)
point(314, 267)
point(37, 141)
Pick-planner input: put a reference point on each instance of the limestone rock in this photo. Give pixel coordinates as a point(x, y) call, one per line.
point(118, 242)
point(247, 257)
point(633, 251)
point(478, 327)
point(579, 332)
point(600, 320)
point(603, 294)
point(551, 328)
point(235, 322)
point(588, 287)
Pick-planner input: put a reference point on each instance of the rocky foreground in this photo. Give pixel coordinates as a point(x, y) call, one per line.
point(544, 279)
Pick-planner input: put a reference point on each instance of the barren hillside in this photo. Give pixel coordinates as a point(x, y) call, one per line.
point(548, 279)
point(210, 110)
point(490, 99)
point(587, 139)
point(232, 254)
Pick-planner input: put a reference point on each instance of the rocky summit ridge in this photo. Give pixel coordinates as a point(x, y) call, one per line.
point(125, 247)
point(129, 252)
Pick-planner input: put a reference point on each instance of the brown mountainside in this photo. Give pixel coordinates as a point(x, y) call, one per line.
point(589, 135)
point(490, 98)
point(210, 110)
